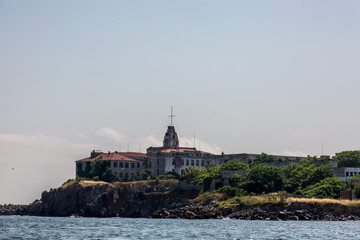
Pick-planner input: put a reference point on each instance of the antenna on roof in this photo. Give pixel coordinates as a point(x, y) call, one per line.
point(119, 147)
point(194, 140)
point(171, 116)
point(199, 146)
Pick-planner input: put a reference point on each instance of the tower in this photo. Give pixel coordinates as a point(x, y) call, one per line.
point(171, 139)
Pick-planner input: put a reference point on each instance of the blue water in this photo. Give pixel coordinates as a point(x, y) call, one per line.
point(17, 227)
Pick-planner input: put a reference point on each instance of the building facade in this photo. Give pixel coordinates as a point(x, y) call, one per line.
point(173, 158)
point(125, 165)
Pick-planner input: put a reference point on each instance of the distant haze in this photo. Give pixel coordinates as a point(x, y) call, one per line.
point(277, 77)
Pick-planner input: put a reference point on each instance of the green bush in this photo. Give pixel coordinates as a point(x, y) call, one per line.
point(234, 165)
point(167, 176)
point(327, 188)
point(145, 175)
point(230, 192)
point(263, 178)
point(357, 191)
point(305, 175)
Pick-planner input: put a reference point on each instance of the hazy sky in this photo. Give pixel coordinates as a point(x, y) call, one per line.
point(244, 76)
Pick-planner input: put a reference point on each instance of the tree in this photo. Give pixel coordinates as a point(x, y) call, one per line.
point(108, 175)
point(100, 170)
point(262, 178)
point(348, 159)
point(265, 158)
point(144, 175)
point(305, 175)
point(357, 190)
point(329, 187)
point(234, 165)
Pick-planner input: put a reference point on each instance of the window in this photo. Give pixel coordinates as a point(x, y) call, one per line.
point(115, 164)
point(347, 174)
point(150, 164)
point(121, 164)
point(182, 172)
point(132, 175)
point(138, 165)
point(182, 162)
point(126, 165)
point(132, 165)
point(187, 162)
point(120, 175)
point(197, 162)
point(202, 163)
point(126, 175)
point(158, 162)
point(192, 162)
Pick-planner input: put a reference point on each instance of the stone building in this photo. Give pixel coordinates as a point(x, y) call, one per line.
point(172, 158)
point(126, 165)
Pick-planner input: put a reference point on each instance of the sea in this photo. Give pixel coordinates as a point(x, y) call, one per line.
point(26, 227)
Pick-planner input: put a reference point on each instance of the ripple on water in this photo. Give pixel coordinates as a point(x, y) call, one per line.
point(18, 227)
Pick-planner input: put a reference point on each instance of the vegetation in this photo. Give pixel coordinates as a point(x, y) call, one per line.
point(262, 178)
point(235, 165)
point(304, 175)
point(97, 170)
point(145, 175)
point(304, 179)
point(329, 187)
point(357, 191)
point(196, 176)
point(348, 159)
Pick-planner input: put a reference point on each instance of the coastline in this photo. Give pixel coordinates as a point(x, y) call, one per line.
point(163, 199)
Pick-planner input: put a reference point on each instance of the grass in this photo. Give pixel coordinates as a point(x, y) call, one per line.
point(86, 183)
point(208, 196)
point(324, 201)
point(276, 198)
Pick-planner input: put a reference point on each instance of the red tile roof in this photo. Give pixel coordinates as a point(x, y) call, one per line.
point(133, 154)
point(109, 157)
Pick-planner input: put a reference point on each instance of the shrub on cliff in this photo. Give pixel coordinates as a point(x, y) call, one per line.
point(329, 187)
point(165, 177)
point(234, 165)
point(357, 191)
point(97, 170)
point(348, 158)
point(304, 175)
point(196, 176)
point(262, 178)
point(230, 192)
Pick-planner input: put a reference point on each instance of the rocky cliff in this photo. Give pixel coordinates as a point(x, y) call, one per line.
point(100, 199)
point(164, 200)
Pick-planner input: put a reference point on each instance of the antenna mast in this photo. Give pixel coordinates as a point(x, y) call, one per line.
point(171, 116)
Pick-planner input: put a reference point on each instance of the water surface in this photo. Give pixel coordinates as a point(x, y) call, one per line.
point(24, 227)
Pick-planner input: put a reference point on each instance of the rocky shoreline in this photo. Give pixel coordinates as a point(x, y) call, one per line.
point(150, 199)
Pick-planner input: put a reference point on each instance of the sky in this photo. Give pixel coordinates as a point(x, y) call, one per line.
point(280, 77)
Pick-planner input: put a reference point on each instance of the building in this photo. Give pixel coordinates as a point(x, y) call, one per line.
point(345, 173)
point(172, 158)
point(126, 165)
